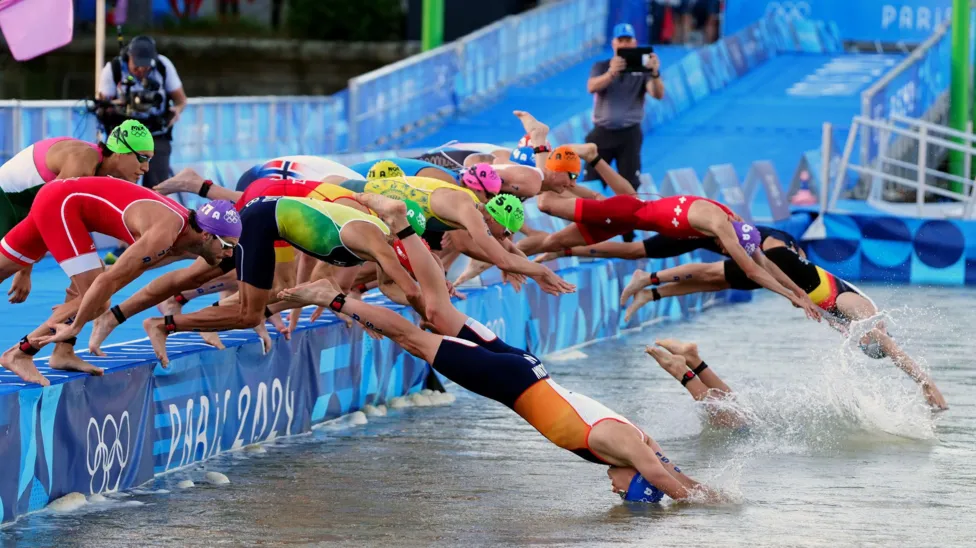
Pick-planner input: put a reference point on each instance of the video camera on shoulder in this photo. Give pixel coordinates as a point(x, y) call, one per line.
point(139, 92)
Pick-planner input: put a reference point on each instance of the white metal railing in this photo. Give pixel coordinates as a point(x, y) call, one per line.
point(918, 175)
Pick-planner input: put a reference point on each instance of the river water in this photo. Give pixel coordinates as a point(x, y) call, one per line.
point(841, 452)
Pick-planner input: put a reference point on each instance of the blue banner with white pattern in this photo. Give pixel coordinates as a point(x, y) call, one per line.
point(909, 21)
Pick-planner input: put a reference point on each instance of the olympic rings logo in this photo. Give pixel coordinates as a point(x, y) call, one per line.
point(790, 11)
point(105, 449)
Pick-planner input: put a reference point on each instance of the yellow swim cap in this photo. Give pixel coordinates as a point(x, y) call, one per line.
point(384, 169)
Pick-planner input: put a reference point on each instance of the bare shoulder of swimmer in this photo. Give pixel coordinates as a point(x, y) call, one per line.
point(474, 159)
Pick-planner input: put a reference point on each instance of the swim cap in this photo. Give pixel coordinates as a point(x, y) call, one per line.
point(401, 254)
point(507, 210)
point(416, 218)
point(384, 169)
point(748, 235)
point(219, 218)
point(482, 177)
point(564, 159)
point(133, 133)
point(872, 349)
point(524, 156)
point(641, 490)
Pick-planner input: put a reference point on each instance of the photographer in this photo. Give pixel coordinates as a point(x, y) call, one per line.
point(618, 106)
point(143, 85)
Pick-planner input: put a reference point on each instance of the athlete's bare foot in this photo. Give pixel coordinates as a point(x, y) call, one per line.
point(537, 130)
point(169, 307)
point(266, 342)
point(673, 364)
point(23, 366)
point(586, 151)
point(213, 339)
point(638, 281)
point(392, 212)
point(156, 330)
point(102, 327)
point(640, 299)
point(689, 351)
point(319, 292)
point(64, 359)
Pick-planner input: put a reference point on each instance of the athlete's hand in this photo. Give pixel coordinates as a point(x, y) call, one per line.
point(279, 325)
point(317, 313)
point(62, 332)
point(452, 291)
point(812, 311)
point(586, 151)
point(552, 284)
point(20, 287)
point(517, 280)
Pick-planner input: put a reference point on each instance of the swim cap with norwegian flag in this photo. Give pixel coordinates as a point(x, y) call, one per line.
point(218, 217)
point(748, 236)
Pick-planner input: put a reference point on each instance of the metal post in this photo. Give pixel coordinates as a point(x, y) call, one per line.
point(967, 162)
point(923, 152)
point(959, 85)
point(844, 161)
point(826, 150)
point(99, 40)
point(432, 33)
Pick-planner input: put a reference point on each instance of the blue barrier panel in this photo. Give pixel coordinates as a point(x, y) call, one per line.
point(896, 249)
point(681, 181)
point(103, 434)
point(722, 184)
point(764, 193)
point(910, 21)
point(909, 89)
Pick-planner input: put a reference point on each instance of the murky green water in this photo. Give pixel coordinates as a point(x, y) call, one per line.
point(841, 453)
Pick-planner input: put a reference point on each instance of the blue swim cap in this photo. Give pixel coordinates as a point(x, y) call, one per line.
point(641, 490)
point(524, 156)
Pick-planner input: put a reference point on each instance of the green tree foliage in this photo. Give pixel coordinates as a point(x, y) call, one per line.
point(346, 20)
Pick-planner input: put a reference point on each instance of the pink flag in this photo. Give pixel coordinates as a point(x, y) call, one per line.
point(35, 27)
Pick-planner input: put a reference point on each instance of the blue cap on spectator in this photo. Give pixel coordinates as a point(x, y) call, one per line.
point(623, 30)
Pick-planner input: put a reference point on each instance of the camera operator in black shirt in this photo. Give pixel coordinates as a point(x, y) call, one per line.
point(140, 84)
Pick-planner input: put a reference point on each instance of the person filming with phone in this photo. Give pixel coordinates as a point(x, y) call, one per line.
point(618, 86)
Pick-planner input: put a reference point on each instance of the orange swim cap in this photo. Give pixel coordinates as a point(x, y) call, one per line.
point(564, 159)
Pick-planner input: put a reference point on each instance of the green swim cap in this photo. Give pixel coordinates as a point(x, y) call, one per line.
point(384, 169)
point(416, 218)
point(133, 133)
point(507, 210)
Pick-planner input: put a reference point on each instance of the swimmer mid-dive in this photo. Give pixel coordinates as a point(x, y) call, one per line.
point(471, 355)
point(842, 302)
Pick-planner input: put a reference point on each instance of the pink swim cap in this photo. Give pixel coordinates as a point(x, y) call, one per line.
point(482, 177)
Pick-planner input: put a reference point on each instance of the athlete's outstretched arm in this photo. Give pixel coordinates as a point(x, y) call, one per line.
point(157, 291)
point(190, 181)
point(726, 234)
point(474, 223)
point(386, 322)
point(151, 247)
point(781, 277)
point(602, 250)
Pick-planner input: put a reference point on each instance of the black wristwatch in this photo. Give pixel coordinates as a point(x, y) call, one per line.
point(655, 75)
point(543, 148)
